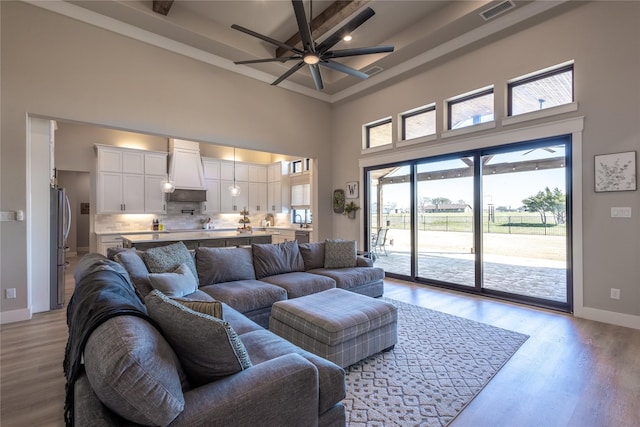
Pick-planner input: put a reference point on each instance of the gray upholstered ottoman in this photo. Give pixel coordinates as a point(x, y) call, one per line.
point(341, 326)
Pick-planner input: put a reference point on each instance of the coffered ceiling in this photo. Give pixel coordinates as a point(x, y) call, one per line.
point(422, 31)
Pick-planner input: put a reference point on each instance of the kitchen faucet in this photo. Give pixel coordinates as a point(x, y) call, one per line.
point(296, 217)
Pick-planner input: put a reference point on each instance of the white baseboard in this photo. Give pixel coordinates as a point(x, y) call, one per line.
point(15, 316)
point(620, 319)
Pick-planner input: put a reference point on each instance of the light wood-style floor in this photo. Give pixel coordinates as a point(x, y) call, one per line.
point(571, 372)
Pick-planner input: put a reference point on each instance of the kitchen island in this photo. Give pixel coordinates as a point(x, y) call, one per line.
point(198, 239)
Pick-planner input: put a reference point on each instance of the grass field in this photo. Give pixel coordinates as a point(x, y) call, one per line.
point(502, 223)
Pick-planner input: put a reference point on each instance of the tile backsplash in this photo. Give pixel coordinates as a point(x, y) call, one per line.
point(177, 219)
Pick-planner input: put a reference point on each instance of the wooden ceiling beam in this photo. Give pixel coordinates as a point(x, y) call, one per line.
point(162, 6)
point(329, 18)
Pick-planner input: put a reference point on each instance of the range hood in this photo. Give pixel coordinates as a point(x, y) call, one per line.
point(185, 165)
point(187, 196)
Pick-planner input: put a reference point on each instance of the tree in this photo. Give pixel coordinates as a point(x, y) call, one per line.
point(441, 201)
point(423, 202)
point(547, 201)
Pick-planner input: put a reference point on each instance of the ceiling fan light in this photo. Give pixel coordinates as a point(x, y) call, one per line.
point(311, 59)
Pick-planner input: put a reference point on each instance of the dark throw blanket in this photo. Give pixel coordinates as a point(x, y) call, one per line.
point(102, 291)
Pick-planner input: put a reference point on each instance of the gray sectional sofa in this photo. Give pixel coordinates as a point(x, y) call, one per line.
point(135, 356)
point(251, 279)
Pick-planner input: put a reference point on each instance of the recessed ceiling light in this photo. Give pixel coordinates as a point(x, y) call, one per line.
point(347, 38)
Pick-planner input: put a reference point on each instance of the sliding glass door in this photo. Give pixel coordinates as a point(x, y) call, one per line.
point(492, 220)
point(524, 236)
point(444, 228)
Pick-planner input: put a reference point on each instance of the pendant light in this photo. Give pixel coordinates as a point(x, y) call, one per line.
point(234, 189)
point(167, 186)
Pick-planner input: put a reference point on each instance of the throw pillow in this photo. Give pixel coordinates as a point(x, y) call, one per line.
point(271, 259)
point(132, 261)
point(219, 265)
point(178, 283)
point(312, 254)
point(137, 375)
point(208, 348)
point(212, 308)
point(164, 259)
point(340, 253)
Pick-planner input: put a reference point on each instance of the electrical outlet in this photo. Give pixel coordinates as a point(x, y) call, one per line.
point(11, 293)
point(615, 293)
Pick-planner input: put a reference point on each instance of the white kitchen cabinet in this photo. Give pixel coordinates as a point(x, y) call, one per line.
point(258, 173)
point(128, 180)
point(233, 204)
point(120, 193)
point(109, 241)
point(274, 172)
point(274, 197)
point(115, 159)
point(227, 171)
point(211, 168)
point(155, 164)
point(212, 205)
point(154, 198)
point(258, 200)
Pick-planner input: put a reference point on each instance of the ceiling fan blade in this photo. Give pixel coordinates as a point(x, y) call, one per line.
point(317, 77)
point(267, 39)
point(334, 38)
point(341, 53)
point(303, 26)
point(258, 61)
point(288, 73)
point(345, 69)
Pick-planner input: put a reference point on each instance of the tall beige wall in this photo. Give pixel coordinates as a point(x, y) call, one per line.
point(53, 66)
point(602, 38)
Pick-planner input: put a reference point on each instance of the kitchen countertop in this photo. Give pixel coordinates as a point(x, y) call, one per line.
point(190, 235)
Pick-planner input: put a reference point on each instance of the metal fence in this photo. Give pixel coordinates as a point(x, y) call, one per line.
point(503, 224)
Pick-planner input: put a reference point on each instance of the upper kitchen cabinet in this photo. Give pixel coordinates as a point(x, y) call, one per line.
point(277, 187)
point(230, 171)
point(211, 168)
point(123, 186)
point(185, 166)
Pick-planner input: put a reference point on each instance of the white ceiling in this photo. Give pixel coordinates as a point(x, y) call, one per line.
point(421, 31)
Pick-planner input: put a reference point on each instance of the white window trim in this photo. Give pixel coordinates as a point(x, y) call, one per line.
point(539, 114)
point(468, 129)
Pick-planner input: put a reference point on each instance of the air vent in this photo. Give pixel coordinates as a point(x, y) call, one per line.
point(498, 9)
point(373, 70)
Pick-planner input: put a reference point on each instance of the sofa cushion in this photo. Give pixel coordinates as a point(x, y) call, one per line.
point(220, 265)
point(164, 259)
point(211, 308)
point(246, 295)
point(312, 255)
point(263, 345)
point(207, 347)
point(137, 375)
point(340, 253)
point(298, 284)
point(177, 283)
point(132, 261)
point(349, 278)
point(270, 259)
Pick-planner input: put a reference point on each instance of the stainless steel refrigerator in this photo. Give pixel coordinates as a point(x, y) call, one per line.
point(60, 213)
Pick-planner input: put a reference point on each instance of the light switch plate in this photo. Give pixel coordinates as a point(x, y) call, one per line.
point(7, 216)
point(621, 212)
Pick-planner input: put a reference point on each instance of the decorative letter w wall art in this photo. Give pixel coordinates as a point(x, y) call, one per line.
point(352, 190)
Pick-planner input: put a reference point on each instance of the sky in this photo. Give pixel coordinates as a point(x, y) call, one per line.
point(508, 189)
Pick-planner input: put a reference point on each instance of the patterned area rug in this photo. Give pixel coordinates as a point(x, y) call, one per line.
point(440, 363)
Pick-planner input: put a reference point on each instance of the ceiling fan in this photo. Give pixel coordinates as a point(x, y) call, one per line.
point(314, 54)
